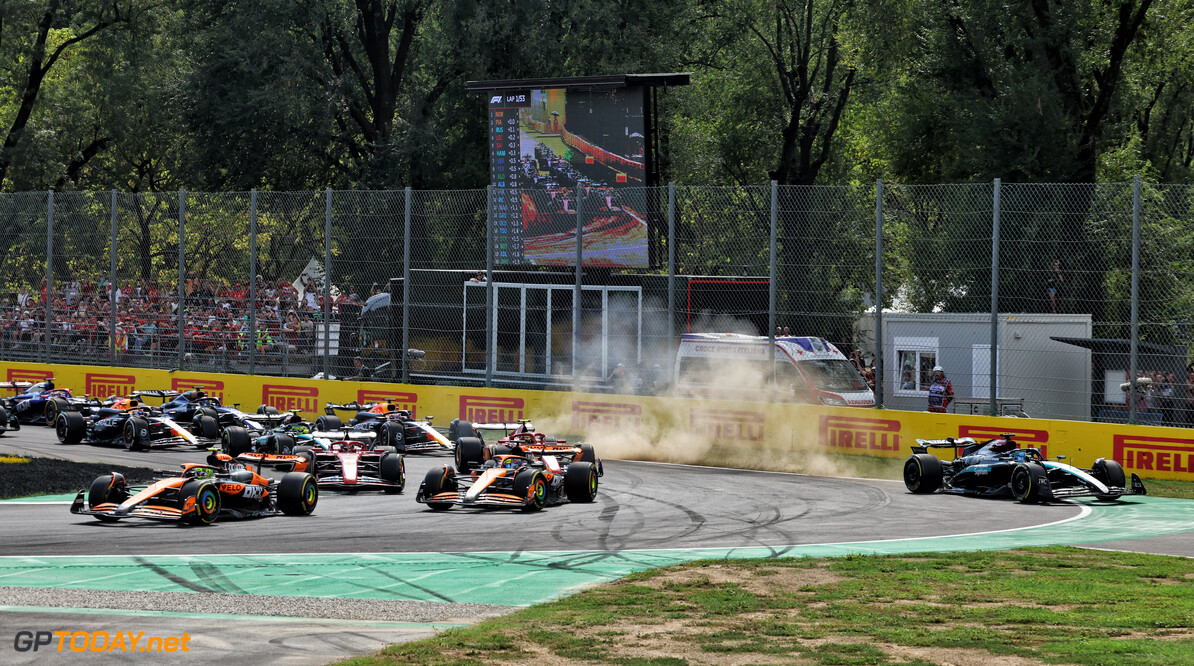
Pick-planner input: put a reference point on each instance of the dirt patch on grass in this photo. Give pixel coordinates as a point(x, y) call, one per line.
point(45, 476)
point(791, 579)
point(955, 656)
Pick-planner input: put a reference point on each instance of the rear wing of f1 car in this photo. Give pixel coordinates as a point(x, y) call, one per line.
point(923, 445)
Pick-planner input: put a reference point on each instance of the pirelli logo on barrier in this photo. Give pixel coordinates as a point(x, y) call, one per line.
point(103, 384)
point(402, 399)
point(291, 398)
point(212, 387)
point(1027, 438)
point(728, 423)
point(28, 375)
point(615, 414)
point(849, 432)
point(484, 409)
point(1154, 454)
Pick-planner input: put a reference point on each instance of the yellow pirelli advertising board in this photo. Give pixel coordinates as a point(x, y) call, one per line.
point(657, 428)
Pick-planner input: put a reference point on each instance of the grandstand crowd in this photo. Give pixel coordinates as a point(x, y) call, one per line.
point(215, 317)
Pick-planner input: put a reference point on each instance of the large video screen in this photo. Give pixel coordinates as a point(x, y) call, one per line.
point(545, 147)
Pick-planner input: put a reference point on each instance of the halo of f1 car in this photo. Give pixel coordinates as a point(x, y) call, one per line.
point(999, 468)
point(201, 494)
point(525, 469)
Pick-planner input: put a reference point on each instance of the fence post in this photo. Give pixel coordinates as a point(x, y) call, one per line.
point(327, 285)
point(671, 277)
point(252, 337)
point(49, 312)
point(771, 279)
point(879, 294)
point(182, 278)
point(1133, 346)
point(993, 384)
point(490, 290)
point(405, 290)
point(112, 280)
point(576, 290)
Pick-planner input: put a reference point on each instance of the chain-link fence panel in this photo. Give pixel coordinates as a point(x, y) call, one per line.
point(1065, 264)
point(23, 229)
point(936, 260)
point(367, 249)
point(447, 308)
point(81, 258)
point(290, 334)
point(141, 305)
point(1166, 300)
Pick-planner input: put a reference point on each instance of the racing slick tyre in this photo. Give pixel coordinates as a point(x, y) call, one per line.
point(1026, 483)
point(439, 480)
point(586, 454)
point(393, 468)
point(494, 450)
point(308, 455)
point(268, 410)
point(580, 482)
point(207, 501)
point(3, 420)
point(208, 411)
point(392, 434)
point(107, 488)
point(470, 453)
point(206, 427)
point(298, 493)
point(458, 429)
point(135, 434)
point(1111, 474)
point(328, 423)
point(530, 485)
point(282, 443)
point(235, 440)
point(54, 407)
point(922, 473)
point(70, 427)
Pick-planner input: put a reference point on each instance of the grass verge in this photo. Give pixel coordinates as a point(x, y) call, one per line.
point(1049, 605)
point(29, 477)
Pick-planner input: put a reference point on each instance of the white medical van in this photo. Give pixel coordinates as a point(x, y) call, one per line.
point(735, 366)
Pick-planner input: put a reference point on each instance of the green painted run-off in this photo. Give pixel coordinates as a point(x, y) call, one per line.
point(524, 578)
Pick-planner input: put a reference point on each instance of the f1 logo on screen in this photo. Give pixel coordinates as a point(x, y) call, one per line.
point(496, 99)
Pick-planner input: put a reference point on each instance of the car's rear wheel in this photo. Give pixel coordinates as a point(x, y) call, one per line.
point(328, 423)
point(532, 487)
point(70, 427)
point(283, 443)
point(54, 407)
point(3, 420)
point(439, 480)
point(922, 473)
point(135, 434)
point(1027, 483)
point(206, 427)
point(208, 411)
point(586, 454)
point(109, 488)
point(308, 457)
point(392, 434)
point(298, 493)
point(470, 454)
point(235, 440)
point(393, 469)
point(580, 482)
point(458, 429)
point(207, 501)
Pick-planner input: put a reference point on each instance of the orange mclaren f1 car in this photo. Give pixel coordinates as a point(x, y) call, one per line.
point(222, 488)
point(526, 470)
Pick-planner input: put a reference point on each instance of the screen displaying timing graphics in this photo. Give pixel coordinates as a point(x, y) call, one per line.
point(555, 151)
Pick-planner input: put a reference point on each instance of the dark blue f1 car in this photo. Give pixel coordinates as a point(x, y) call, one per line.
point(998, 468)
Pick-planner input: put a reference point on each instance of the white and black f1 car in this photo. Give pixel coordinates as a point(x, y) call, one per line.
point(384, 420)
point(998, 468)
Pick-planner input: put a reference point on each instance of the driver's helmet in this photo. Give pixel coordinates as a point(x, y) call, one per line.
point(300, 429)
point(512, 462)
point(1003, 445)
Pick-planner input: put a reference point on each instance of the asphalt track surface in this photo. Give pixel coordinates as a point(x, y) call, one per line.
point(376, 547)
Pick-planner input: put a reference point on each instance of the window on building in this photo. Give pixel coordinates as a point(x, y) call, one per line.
point(916, 358)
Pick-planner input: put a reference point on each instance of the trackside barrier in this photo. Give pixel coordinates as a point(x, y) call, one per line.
point(610, 421)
